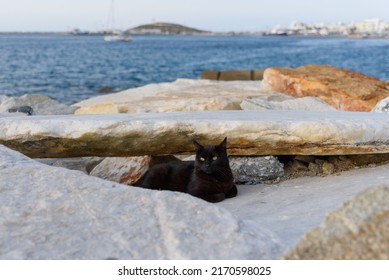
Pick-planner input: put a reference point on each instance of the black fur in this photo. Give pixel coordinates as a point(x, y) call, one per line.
point(208, 177)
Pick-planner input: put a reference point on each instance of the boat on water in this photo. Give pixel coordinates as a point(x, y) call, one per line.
point(117, 38)
point(115, 35)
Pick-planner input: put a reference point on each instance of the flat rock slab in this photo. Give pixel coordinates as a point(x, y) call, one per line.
point(180, 95)
point(249, 133)
point(54, 213)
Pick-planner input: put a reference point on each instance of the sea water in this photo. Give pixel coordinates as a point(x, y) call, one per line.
point(73, 68)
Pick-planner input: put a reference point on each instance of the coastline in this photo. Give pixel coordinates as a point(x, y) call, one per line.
point(211, 34)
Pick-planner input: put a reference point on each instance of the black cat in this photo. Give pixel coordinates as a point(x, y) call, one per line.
point(208, 177)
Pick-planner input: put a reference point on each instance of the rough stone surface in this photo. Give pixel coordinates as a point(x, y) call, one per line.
point(357, 230)
point(40, 104)
point(125, 170)
point(55, 213)
point(254, 170)
point(181, 95)
point(382, 106)
point(342, 89)
point(303, 103)
point(268, 132)
point(84, 164)
point(298, 166)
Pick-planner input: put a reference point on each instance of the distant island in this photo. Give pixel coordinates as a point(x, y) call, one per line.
point(164, 28)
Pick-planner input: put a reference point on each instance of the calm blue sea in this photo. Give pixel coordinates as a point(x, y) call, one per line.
point(73, 68)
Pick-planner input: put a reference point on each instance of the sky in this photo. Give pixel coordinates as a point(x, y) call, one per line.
point(212, 15)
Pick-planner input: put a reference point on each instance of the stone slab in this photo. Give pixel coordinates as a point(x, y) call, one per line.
point(249, 133)
point(180, 95)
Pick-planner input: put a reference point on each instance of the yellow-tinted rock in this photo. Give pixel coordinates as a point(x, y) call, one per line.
point(342, 89)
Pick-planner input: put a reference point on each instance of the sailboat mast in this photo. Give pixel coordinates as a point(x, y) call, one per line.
point(114, 35)
point(111, 17)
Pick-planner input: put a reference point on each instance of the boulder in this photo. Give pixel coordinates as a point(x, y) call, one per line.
point(181, 95)
point(340, 88)
point(33, 104)
point(268, 132)
point(359, 229)
point(55, 213)
point(303, 103)
point(255, 170)
point(125, 170)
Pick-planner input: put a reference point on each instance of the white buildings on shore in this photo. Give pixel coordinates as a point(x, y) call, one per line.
point(377, 26)
point(366, 28)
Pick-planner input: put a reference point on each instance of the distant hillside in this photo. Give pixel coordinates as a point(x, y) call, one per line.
point(165, 29)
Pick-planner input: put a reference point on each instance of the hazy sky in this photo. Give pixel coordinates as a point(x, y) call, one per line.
point(213, 15)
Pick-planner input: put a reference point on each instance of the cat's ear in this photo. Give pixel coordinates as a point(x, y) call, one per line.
point(223, 144)
point(197, 145)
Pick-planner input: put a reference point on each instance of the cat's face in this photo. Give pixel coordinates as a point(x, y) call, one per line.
point(211, 158)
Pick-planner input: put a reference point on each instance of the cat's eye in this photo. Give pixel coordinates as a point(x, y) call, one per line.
point(214, 158)
point(202, 159)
